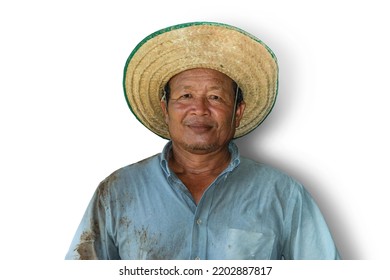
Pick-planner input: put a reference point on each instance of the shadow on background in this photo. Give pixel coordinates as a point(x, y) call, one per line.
point(251, 146)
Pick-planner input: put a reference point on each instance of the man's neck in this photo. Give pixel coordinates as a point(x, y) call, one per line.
point(197, 171)
point(185, 162)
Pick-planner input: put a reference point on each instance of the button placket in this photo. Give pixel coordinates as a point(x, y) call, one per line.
point(199, 232)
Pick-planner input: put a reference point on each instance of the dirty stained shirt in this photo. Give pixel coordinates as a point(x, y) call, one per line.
point(250, 211)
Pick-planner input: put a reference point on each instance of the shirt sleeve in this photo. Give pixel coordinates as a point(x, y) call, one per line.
point(307, 236)
point(93, 239)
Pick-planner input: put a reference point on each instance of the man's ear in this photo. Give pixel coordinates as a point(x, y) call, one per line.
point(164, 108)
point(239, 113)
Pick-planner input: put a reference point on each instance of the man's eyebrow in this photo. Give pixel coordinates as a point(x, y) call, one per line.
point(209, 87)
point(216, 87)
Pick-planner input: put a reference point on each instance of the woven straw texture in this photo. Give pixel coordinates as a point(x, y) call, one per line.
point(221, 47)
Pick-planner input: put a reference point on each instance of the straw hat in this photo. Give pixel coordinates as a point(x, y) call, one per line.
point(228, 49)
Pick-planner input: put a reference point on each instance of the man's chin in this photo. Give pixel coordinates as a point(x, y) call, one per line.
point(200, 148)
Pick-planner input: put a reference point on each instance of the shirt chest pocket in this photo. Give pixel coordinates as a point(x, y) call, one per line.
point(249, 245)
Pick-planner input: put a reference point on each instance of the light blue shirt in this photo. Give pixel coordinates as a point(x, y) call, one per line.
point(250, 211)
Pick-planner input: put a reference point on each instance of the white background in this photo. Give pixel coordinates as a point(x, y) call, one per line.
point(65, 124)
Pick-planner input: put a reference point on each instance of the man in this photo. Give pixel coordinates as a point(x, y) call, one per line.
point(201, 85)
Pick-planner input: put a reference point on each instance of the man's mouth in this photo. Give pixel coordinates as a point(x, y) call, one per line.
point(199, 127)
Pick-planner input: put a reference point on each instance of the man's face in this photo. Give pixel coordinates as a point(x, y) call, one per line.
point(200, 110)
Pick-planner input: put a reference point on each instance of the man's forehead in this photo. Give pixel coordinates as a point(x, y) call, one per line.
point(201, 74)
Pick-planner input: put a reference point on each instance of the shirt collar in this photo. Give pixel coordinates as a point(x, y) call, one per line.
point(233, 149)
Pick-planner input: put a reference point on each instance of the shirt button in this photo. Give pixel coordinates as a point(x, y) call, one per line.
point(198, 221)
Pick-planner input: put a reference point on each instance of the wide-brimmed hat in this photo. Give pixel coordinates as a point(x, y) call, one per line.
point(225, 48)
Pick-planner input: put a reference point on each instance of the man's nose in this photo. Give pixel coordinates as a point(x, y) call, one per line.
point(200, 105)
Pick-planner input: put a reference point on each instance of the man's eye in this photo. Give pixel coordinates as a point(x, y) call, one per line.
point(185, 96)
point(214, 97)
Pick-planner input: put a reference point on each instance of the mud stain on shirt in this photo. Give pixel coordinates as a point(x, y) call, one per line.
point(86, 249)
